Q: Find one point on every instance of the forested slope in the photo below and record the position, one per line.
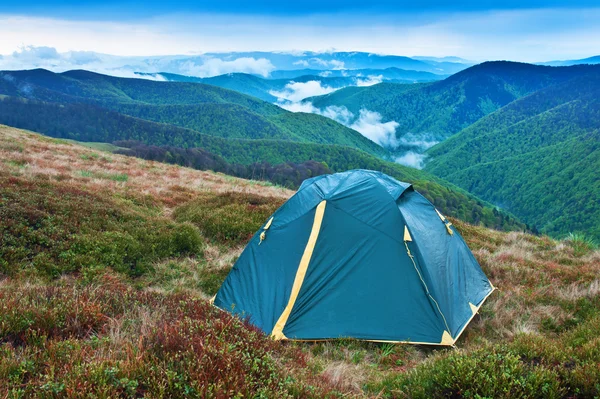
(208, 109)
(537, 157)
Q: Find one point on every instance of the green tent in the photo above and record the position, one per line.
(357, 254)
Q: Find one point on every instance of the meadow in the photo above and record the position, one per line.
(107, 263)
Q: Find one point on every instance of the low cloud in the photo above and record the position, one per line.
(216, 66)
(412, 159)
(331, 64)
(32, 53)
(303, 63)
(28, 57)
(369, 80)
(298, 91)
(420, 142)
(370, 125)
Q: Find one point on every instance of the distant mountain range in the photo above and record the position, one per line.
(213, 64)
(590, 60)
(266, 89)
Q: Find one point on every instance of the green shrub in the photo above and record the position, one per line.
(228, 218)
(492, 372)
(52, 228)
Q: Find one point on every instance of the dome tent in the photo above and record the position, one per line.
(357, 254)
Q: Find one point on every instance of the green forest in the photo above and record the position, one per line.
(537, 157)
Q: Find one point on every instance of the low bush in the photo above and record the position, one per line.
(52, 228)
(110, 340)
(228, 218)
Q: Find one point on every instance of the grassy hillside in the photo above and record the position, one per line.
(107, 262)
(207, 109)
(443, 108)
(537, 157)
(88, 123)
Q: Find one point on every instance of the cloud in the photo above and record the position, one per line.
(412, 159)
(32, 53)
(82, 57)
(339, 114)
(216, 66)
(306, 107)
(370, 125)
(421, 141)
(303, 63)
(333, 64)
(369, 80)
(325, 74)
(298, 91)
(28, 57)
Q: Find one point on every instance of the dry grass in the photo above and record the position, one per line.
(31, 154)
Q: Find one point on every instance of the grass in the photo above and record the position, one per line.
(103, 288)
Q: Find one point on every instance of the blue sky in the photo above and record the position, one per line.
(531, 30)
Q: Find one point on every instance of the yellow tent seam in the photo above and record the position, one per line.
(277, 332)
(410, 255)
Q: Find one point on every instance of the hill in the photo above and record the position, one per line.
(263, 88)
(441, 109)
(207, 109)
(537, 157)
(106, 264)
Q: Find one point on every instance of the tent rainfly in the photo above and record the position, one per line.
(357, 254)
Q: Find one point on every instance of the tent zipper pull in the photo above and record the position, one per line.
(263, 235)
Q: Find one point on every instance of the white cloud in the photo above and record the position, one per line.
(339, 114)
(303, 63)
(370, 125)
(412, 159)
(203, 66)
(32, 53)
(333, 64)
(306, 107)
(421, 141)
(325, 74)
(298, 91)
(369, 80)
(521, 34)
(216, 66)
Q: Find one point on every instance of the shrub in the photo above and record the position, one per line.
(228, 218)
(54, 228)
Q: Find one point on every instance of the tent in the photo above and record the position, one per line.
(357, 254)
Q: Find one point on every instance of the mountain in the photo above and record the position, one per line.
(204, 108)
(438, 110)
(388, 74)
(537, 157)
(345, 60)
(590, 60)
(267, 89)
(256, 86)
